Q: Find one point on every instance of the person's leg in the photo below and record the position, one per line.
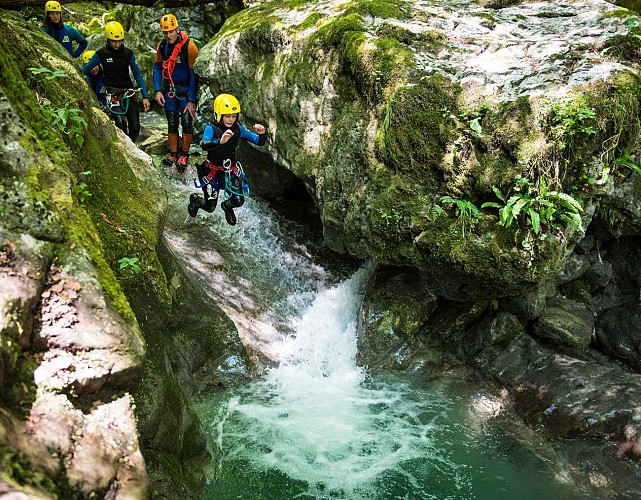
(210, 195)
(119, 119)
(234, 201)
(172, 136)
(133, 119)
(187, 123)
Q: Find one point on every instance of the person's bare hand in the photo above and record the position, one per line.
(259, 129)
(160, 98)
(191, 109)
(227, 134)
(145, 104)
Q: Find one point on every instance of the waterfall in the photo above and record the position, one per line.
(317, 417)
(316, 425)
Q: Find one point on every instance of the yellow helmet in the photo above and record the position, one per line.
(86, 55)
(225, 104)
(114, 31)
(168, 22)
(53, 6)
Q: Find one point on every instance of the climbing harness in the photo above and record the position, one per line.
(119, 98)
(232, 172)
(168, 65)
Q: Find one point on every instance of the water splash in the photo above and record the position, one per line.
(316, 417)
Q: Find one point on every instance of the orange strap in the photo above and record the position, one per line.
(168, 65)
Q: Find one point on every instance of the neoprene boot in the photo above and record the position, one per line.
(195, 201)
(172, 139)
(182, 161)
(230, 217)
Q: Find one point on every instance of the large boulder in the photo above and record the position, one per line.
(381, 112)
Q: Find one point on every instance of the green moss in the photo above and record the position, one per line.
(247, 18)
(331, 33)
(399, 33)
(634, 5)
(425, 40)
(262, 39)
(391, 61)
(370, 67)
(19, 390)
(621, 13)
(414, 134)
(294, 4)
(21, 476)
(310, 21)
(380, 8)
(599, 120)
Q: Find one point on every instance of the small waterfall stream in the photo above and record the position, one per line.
(317, 426)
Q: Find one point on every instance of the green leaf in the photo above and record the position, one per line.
(476, 125)
(543, 188)
(567, 201)
(498, 194)
(520, 203)
(536, 220)
(573, 220)
(39, 71)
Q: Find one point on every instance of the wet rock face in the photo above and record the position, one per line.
(565, 322)
(619, 333)
(381, 112)
(72, 352)
(392, 317)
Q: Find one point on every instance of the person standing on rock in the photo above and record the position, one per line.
(176, 87)
(64, 34)
(221, 170)
(116, 61)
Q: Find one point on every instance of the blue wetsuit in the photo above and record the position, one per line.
(66, 35)
(218, 154)
(97, 84)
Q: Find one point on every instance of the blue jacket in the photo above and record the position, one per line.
(217, 153)
(97, 84)
(183, 75)
(65, 35)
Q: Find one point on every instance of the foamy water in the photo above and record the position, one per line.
(317, 426)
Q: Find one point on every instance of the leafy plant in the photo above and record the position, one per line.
(473, 118)
(81, 189)
(129, 263)
(68, 120)
(82, 192)
(436, 211)
(536, 207)
(627, 160)
(467, 213)
(567, 120)
(46, 73)
(395, 216)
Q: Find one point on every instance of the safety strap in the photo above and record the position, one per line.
(168, 65)
(115, 98)
(229, 169)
